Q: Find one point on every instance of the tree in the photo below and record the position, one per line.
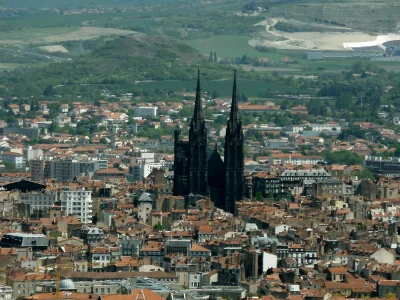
(94, 219)
(215, 57)
(343, 101)
(324, 135)
(390, 296)
(55, 234)
(10, 167)
(186, 111)
(210, 58)
(397, 152)
(243, 98)
(104, 141)
(214, 94)
(49, 91)
(158, 227)
(363, 174)
(259, 196)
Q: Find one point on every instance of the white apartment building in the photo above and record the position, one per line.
(6, 292)
(145, 111)
(16, 159)
(294, 159)
(77, 203)
(147, 167)
(101, 258)
(330, 126)
(39, 200)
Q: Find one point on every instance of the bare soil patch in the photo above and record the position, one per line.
(329, 40)
(87, 33)
(54, 48)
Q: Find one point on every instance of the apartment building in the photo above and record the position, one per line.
(39, 200)
(17, 160)
(294, 159)
(146, 111)
(77, 203)
(64, 169)
(92, 235)
(389, 167)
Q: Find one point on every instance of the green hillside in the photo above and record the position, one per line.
(124, 60)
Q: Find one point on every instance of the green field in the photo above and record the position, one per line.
(5, 66)
(230, 46)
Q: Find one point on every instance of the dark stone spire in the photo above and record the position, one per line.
(198, 105)
(234, 115)
(234, 159)
(198, 147)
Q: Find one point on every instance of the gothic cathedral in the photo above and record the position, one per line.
(199, 169)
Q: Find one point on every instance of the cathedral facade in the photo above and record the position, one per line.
(200, 170)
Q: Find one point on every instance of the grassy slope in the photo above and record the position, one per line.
(229, 46)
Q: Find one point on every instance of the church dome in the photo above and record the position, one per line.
(67, 285)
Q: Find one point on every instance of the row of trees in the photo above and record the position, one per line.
(213, 57)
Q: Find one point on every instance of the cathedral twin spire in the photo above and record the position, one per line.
(195, 172)
(198, 117)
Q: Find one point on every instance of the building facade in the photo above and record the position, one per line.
(389, 167)
(17, 160)
(39, 200)
(146, 111)
(77, 203)
(64, 169)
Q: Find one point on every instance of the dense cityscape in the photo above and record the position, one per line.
(199, 150)
(107, 215)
